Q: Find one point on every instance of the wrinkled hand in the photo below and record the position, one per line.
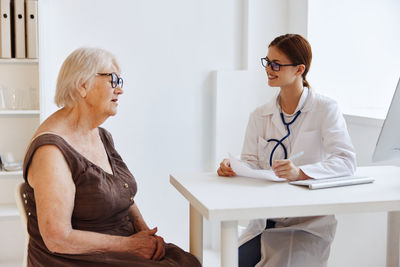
(147, 245)
(286, 169)
(225, 169)
(160, 250)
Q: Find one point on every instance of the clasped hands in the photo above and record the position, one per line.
(148, 245)
(282, 168)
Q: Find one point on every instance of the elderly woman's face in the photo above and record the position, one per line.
(103, 97)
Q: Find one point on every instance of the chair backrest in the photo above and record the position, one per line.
(20, 200)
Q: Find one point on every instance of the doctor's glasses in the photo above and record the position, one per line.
(274, 66)
(115, 80)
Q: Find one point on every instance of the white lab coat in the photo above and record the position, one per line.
(320, 132)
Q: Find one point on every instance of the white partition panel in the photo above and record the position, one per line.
(238, 93)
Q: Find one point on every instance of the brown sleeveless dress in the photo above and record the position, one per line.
(102, 201)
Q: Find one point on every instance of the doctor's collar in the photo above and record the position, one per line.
(300, 104)
(305, 103)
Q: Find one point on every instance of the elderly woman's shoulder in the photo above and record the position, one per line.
(106, 134)
(103, 131)
(53, 122)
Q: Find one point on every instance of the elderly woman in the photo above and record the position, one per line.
(79, 193)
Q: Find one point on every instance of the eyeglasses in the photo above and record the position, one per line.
(274, 66)
(115, 80)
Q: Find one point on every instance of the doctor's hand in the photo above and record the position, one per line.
(286, 169)
(225, 169)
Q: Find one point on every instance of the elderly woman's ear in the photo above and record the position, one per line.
(83, 90)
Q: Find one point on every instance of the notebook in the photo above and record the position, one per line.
(334, 182)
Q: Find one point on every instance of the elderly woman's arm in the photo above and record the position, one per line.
(54, 194)
(137, 220)
(140, 225)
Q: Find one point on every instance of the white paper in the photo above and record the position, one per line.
(243, 169)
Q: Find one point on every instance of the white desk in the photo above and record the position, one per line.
(231, 199)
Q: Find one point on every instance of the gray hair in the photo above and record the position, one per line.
(80, 67)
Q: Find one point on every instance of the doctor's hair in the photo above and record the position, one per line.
(80, 68)
(297, 49)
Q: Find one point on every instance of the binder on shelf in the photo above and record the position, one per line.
(19, 28)
(31, 28)
(5, 29)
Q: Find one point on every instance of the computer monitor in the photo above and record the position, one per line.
(388, 145)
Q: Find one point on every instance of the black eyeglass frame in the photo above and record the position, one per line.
(115, 79)
(274, 66)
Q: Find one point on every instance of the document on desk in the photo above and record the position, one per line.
(243, 169)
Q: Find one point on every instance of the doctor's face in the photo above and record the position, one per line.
(286, 75)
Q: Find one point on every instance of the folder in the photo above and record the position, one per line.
(31, 28)
(19, 28)
(5, 29)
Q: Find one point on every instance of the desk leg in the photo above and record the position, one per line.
(393, 238)
(196, 234)
(229, 244)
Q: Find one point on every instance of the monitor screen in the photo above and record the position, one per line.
(388, 145)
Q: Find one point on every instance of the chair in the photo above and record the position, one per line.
(20, 200)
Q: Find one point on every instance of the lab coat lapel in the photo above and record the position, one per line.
(304, 112)
(272, 111)
(299, 130)
(277, 122)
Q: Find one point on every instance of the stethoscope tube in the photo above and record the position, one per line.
(280, 142)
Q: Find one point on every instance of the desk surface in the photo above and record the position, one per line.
(241, 198)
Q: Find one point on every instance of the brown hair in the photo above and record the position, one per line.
(297, 49)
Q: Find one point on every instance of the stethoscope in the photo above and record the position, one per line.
(280, 142)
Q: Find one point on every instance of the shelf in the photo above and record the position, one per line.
(19, 112)
(19, 61)
(8, 211)
(16, 173)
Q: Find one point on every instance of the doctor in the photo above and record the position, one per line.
(297, 121)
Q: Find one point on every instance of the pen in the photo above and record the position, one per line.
(295, 156)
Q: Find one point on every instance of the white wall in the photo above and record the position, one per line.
(266, 20)
(356, 51)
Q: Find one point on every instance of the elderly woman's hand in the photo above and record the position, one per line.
(147, 245)
(225, 169)
(160, 251)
